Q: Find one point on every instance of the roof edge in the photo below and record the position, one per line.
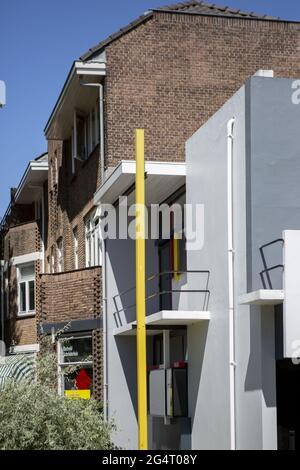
(219, 15)
(113, 37)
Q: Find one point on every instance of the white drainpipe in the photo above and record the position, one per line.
(105, 342)
(230, 223)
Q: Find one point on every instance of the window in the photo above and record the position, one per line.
(75, 240)
(60, 259)
(85, 134)
(52, 261)
(26, 289)
(93, 240)
(75, 366)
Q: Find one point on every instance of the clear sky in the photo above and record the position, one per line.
(39, 39)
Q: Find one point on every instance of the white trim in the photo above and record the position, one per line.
(90, 68)
(128, 167)
(231, 279)
(78, 68)
(32, 166)
(263, 297)
(26, 280)
(29, 258)
(24, 348)
(165, 317)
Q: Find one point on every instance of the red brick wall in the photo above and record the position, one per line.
(70, 200)
(19, 330)
(75, 295)
(173, 72)
(21, 240)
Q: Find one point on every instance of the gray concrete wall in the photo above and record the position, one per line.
(208, 345)
(273, 165)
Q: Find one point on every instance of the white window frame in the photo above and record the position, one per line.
(53, 270)
(61, 365)
(93, 240)
(76, 247)
(26, 280)
(60, 255)
(91, 134)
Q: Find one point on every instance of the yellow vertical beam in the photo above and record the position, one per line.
(141, 290)
(176, 260)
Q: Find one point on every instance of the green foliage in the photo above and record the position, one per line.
(34, 416)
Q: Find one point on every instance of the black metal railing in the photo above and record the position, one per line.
(265, 274)
(163, 292)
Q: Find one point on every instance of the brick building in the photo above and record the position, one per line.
(23, 236)
(168, 72)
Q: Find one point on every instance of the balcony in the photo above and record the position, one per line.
(167, 303)
(70, 296)
(22, 239)
(281, 282)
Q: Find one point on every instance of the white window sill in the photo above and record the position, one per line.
(25, 314)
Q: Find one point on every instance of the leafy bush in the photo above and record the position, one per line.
(34, 416)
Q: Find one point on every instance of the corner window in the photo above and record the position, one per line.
(93, 240)
(85, 134)
(75, 366)
(26, 289)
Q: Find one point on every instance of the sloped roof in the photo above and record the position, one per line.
(192, 7)
(203, 8)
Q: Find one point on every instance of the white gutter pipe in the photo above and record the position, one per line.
(230, 224)
(105, 342)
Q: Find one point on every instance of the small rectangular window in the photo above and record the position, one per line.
(75, 239)
(26, 289)
(31, 295)
(85, 134)
(93, 240)
(76, 352)
(22, 296)
(60, 260)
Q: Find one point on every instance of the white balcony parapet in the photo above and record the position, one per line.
(164, 318)
(263, 297)
(163, 179)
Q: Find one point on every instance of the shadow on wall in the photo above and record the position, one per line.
(12, 336)
(126, 347)
(78, 188)
(197, 337)
(262, 352)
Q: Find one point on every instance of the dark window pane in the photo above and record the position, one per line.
(31, 296)
(77, 350)
(22, 296)
(80, 138)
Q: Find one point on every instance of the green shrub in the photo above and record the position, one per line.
(34, 416)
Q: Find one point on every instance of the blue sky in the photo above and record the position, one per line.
(39, 39)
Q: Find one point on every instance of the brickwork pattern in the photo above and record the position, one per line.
(75, 295)
(173, 72)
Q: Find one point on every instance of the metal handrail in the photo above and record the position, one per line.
(267, 270)
(158, 294)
